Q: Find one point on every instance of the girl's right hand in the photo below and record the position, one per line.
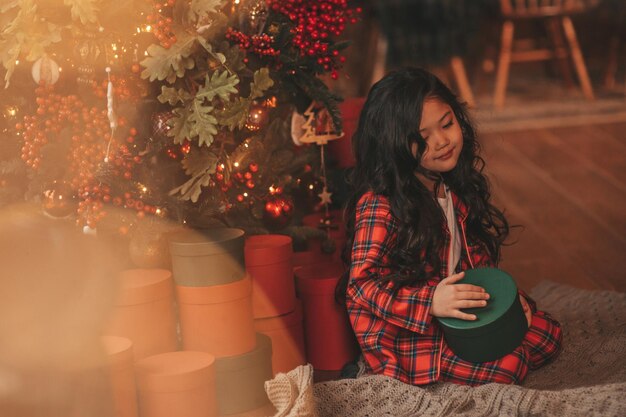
(449, 298)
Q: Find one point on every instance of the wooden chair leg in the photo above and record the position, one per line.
(614, 47)
(611, 64)
(560, 51)
(460, 77)
(504, 61)
(577, 56)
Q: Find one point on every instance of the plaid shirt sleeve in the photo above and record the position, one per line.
(408, 307)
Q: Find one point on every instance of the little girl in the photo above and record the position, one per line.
(419, 216)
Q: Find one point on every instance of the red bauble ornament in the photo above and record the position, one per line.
(59, 200)
(159, 123)
(278, 212)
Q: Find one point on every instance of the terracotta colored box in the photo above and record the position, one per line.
(217, 319)
(177, 384)
(240, 380)
(144, 311)
(269, 263)
(287, 337)
(119, 351)
(328, 336)
(310, 257)
(207, 257)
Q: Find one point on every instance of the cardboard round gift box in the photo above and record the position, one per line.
(121, 371)
(240, 379)
(500, 326)
(269, 264)
(217, 319)
(329, 339)
(177, 384)
(287, 339)
(144, 311)
(207, 257)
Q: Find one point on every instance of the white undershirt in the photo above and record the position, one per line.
(455, 238)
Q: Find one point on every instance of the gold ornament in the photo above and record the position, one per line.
(258, 116)
(148, 250)
(58, 200)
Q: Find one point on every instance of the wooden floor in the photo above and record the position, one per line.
(567, 188)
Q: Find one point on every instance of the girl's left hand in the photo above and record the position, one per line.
(527, 311)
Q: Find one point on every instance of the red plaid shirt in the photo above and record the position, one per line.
(397, 334)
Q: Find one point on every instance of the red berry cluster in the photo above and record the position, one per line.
(161, 21)
(315, 23)
(122, 90)
(90, 131)
(93, 199)
(55, 113)
(178, 151)
(244, 178)
(258, 44)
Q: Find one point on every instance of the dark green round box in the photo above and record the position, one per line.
(500, 326)
(205, 257)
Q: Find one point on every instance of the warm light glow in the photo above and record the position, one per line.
(311, 186)
(11, 111)
(236, 164)
(245, 194)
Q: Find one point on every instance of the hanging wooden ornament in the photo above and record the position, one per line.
(314, 126)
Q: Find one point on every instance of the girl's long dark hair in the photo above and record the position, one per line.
(388, 125)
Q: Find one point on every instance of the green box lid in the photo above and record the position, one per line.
(500, 325)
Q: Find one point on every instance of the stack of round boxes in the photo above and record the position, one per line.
(214, 295)
(149, 377)
(277, 313)
(239, 323)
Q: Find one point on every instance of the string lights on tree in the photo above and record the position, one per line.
(194, 107)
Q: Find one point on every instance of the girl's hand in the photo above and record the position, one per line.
(449, 298)
(527, 311)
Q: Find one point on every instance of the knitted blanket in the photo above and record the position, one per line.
(587, 379)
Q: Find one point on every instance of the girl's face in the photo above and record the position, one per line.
(442, 134)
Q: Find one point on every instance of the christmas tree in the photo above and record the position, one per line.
(208, 112)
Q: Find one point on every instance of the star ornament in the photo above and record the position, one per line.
(325, 196)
